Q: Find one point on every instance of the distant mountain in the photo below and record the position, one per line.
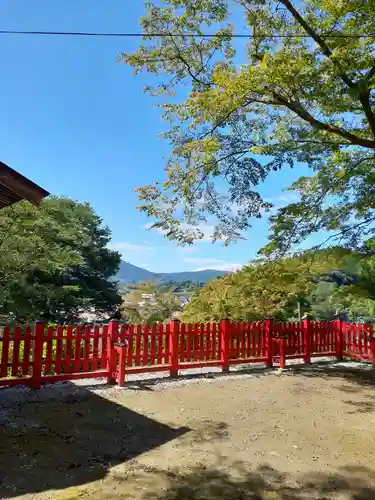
(133, 274)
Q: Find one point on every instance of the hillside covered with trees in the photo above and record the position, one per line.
(319, 283)
(150, 303)
(130, 274)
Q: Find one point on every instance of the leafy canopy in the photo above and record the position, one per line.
(54, 262)
(302, 91)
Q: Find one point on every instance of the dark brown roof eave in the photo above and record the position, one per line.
(15, 187)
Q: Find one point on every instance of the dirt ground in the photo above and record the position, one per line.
(307, 433)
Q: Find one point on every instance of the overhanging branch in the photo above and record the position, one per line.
(364, 95)
(297, 108)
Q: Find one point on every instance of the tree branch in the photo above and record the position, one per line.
(364, 99)
(274, 102)
(371, 73)
(187, 65)
(322, 44)
(297, 108)
(344, 231)
(319, 201)
(363, 96)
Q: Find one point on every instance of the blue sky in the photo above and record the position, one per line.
(77, 122)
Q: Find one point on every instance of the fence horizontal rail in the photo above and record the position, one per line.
(32, 356)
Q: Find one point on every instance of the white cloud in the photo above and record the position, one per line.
(187, 249)
(222, 267)
(203, 260)
(124, 246)
(289, 197)
(284, 199)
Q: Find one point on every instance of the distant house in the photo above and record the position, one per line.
(148, 296)
(184, 301)
(15, 187)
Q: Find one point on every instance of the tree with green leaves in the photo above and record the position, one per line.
(150, 303)
(301, 91)
(55, 263)
(322, 282)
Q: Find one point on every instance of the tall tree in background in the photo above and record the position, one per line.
(54, 262)
(304, 92)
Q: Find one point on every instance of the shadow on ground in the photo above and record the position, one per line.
(361, 374)
(352, 379)
(264, 483)
(68, 437)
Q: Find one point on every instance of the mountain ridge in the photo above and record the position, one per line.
(131, 274)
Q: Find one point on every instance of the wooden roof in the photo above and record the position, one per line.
(15, 187)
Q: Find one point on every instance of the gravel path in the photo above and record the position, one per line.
(308, 432)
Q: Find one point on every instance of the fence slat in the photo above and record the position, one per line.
(145, 338)
(244, 335)
(131, 341)
(16, 351)
(5, 353)
(259, 340)
(216, 336)
(153, 334)
(95, 349)
(190, 342)
(86, 349)
(138, 333)
(162, 346)
(59, 349)
(215, 356)
(77, 349)
(199, 333)
(207, 334)
(48, 348)
(26, 351)
(194, 343)
(68, 350)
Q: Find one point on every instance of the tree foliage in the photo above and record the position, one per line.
(149, 303)
(54, 262)
(324, 283)
(303, 91)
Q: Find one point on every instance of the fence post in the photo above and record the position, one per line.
(339, 339)
(174, 332)
(306, 340)
(121, 367)
(224, 344)
(111, 352)
(372, 345)
(269, 351)
(38, 356)
(282, 353)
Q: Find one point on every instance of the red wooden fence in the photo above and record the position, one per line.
(32, 356)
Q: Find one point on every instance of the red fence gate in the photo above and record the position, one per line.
(32, 356)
